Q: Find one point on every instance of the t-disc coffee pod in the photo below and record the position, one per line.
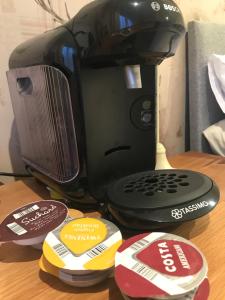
(87, 280)
(29, 225)
(159, 266)
(72, 214)
(202, 293)
(81, 252)
(83, 245)
(75, 214)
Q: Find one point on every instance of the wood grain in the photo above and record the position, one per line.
(20, 276)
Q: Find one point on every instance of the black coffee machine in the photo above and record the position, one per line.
(84, 97)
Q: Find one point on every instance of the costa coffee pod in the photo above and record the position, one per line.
(29, 225)
(159, 266)
(202, 293)
(83, 245)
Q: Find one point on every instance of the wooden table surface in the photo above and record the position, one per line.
(21, 279)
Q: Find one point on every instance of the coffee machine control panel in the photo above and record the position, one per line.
(143, 113)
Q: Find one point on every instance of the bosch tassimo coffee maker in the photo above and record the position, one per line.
(84, 97)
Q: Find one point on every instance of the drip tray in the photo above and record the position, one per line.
(160, 198)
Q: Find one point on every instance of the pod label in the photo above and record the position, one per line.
(33, 220)
(83, 234)
(159, 265)
(83, 244)
(173, 258)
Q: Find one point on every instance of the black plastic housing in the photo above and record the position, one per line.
(115, 32)
(157, 199)
(106, 35)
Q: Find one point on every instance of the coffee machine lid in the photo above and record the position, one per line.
(116, 32)
(156, 199)
(158, 189)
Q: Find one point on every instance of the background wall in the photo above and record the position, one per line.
(22, 19)
(19, 21)
(172, 75)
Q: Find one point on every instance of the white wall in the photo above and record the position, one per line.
(19, 21)
(22, 19)
(172, 74)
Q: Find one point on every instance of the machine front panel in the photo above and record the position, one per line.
(119, 124)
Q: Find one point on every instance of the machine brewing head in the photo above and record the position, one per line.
(128, 32)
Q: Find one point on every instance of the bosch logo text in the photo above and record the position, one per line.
(157, 7)
(171, 8)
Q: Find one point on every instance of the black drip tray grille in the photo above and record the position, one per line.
(155, 189)
(151, 184)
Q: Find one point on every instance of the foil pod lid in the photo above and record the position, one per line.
(85, 244)
(159, 266)
(32, 221)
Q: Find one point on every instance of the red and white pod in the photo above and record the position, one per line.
(159, 266)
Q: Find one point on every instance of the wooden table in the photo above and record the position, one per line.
(21, 279)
